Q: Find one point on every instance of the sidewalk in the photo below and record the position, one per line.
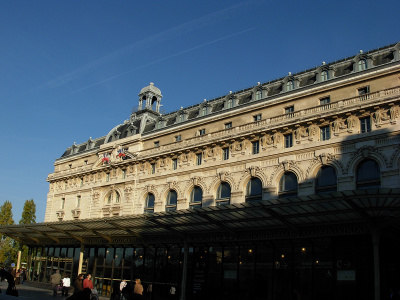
(33, 290)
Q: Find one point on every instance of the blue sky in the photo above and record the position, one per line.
(70, 70)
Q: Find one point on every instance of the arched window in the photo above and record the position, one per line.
(254, 190)
(196, 197)
(113, 197)
(172, 200)
(324, 75)
(290, 85)
(149, 204)
(204, 110)
(223, 194)
(230, 103)
(326, 180)
(288, 185)
(362, 65)
(368, 175)
(259, 94)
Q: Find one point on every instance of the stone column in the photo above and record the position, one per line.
(81, 259)
(19, 260)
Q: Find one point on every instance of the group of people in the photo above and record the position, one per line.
(19, 275)
(82, 286)
(126, 292)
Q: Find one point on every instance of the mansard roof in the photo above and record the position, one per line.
(144, 121)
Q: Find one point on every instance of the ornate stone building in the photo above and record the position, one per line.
(308, 163)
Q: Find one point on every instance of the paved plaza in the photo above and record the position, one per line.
(33, 290)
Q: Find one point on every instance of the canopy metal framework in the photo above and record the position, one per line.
(330, 214)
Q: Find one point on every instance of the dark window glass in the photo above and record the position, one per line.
(326, 180)
(325, 100)
(368, 175)
(288, 140)
(223, 194)
(289, 109)
(325, 133)
(255, 147)
(149, 205)
(228, 125)
(172, 198)
(288, 185)
(257, 117)
(198, 159)
(365, 124)
(174, 163)
(254, 190)
(225, 153)
(196, 197)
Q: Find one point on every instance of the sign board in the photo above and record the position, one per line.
(346, 275)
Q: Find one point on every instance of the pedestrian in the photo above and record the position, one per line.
(172, 292)
(78, 284)
(87, 283)
(138, 289)
(17, 277)
(121, 287)
(66, 284)
(55, 280)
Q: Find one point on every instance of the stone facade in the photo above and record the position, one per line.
(294, 124)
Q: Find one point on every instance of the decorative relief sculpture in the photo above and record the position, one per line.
(313, 132)
(352, 122)
(337, 126)
(394, 114)
(300, 133)
(379, 117)
(277, 139)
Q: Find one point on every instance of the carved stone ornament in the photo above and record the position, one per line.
(394, 114)
(223, 175)
(60, 214)
(324, 158)
(76, 213)
(379, 117)
(352, 122)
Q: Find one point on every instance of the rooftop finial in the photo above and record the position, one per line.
(361, 51)
(230, 92)
(151, 83)
(258, 83)
(290, 73)
(205, 100)
(323, 63)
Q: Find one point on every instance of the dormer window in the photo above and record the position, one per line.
(362, 64)
(202, 132)
(229, 104)
(290, 85)
(204, 110)
(156, 144)
(324, 75)
(259, 95)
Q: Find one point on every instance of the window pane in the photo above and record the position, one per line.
(197, 194)
(368, 174)
(172, 198)
(254, 187)
(150, 200)
(224, 191)
(326, 177)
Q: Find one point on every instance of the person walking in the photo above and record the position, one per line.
(138, 289)
(78, 284)
(55, 280)
(66, 284)
(121, 287)
(87, 283)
